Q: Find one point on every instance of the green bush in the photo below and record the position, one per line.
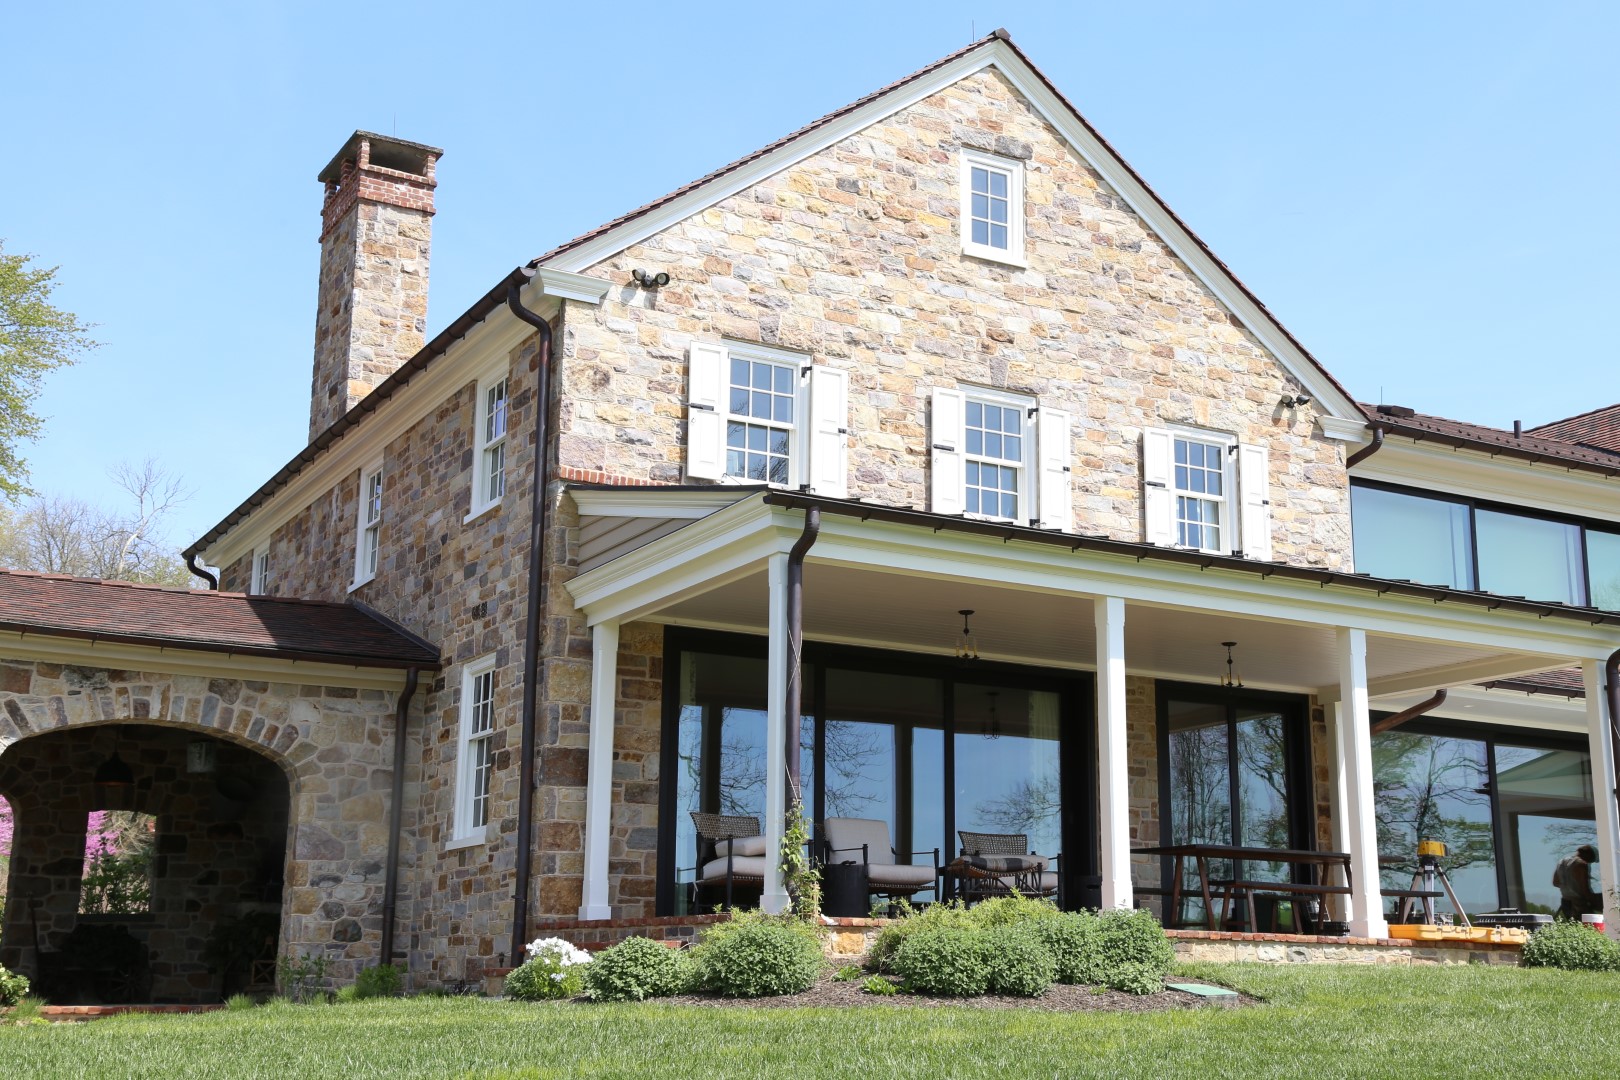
(553, 970)
(1071, 940)
(379, 981)
(13, 987)
(878, 986)
(1019, 962)
(1136, 979)
(952, 961)
(1125, 940)
(951, 916)
(759, 957)
(848, 973)
(1007, 910)
(635, 969)
(1573, 947)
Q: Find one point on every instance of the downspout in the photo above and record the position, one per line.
(795, 631)
(396, 816)
(1611, 676)
(1410, 714)
(1370, 449)
(539, 514)
(197, 571)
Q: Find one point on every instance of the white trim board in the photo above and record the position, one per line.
(1331, 401)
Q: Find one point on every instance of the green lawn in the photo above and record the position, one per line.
(1319, 1022)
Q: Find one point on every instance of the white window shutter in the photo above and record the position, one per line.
(706, 411)
(1055, 489)
(1158, 500)
(1254, 493)
(829, 432)
(946, 436)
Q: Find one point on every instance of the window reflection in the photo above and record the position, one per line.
(1429, 787)
(1007, 778)
(1411, 538)
(1521, 556)
(1545, 801)
(1603, 568)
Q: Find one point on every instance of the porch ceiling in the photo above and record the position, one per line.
(884, 610)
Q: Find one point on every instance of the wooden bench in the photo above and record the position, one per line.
(1227, 891)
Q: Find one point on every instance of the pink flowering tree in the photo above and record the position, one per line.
(117, 876)
(6, 830)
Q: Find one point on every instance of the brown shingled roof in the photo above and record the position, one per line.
(1562, 682)
(312, 630)
(1599, 428)
(1397, 420)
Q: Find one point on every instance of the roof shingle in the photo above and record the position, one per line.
(1397, 420)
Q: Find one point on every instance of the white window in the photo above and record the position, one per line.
(476, 750)
(1207, 492)
(1000, 456)
(765, 416)
(489, 468)
(261, 571)
(992, 190)
(368, 526)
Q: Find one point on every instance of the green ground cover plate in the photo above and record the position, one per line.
(1202, 990)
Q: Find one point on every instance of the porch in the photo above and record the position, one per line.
(1118, 632)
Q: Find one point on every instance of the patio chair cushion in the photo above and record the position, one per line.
(845, 835)
(742, 845)
(742, 866)
(1006, 863)
(891, 875)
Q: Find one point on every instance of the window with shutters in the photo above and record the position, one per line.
(993, 458)
(368, 526)
(260, 582)
(489, 465)
(475, 766)
(1206, 491)
(1200, 487)
(992, 211)
(762, 409)
(1001, 457)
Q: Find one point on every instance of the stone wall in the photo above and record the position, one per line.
(332, 745)
(853, 256)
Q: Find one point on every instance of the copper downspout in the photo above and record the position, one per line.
(538, 521)
(795, 631)
(396, 816)
(1370, 449)
(1410, 714)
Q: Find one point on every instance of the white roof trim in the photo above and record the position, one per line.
(1004, 58)
(652, 502)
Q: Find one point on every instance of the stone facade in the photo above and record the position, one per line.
(331, 746)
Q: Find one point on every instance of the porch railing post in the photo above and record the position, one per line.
(1113, 772)
(1355, 758)
(1603, 799)
(594, 902)
(774, 897)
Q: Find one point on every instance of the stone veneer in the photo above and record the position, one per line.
(333, 746)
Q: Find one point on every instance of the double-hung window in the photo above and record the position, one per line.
(260, 581)
(1206, 491)
(994, 459)
(476, 758)
(992, 208)
(489, 467)
(759, 415)
(368, 525)
(999, 456)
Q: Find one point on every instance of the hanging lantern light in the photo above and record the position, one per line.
(114, 782)
(967, 646)
(1233, 679)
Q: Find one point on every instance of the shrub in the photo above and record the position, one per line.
(759, 957)
(13, 987)
(1020, 963)
(1010, 909)
(879, 986)
(1573, 947)
(848, 973)
(1071, 940)
(951, 916)
(1136, 979)
(552, 971)
(379, 981)
(633, 970)
(952, 961)
(1126, 940)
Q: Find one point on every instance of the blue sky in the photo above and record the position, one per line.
(1423, 193)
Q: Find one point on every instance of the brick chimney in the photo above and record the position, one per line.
(376, 229)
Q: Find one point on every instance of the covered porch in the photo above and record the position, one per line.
(1126, 638)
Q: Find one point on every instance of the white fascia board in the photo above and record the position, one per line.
(1512, 708)
(999, 55)
(485, 347)
(1448, 678)
(174, 660)
(651, 502)
(569, 286)
(1479, 474)
(1340, 429)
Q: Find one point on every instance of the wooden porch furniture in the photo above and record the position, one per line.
(1320, 863)
(998, 864)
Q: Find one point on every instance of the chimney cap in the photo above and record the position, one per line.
(387, 152)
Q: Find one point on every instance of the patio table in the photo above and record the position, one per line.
(1320, 863)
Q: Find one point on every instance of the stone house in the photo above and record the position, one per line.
(927, 431)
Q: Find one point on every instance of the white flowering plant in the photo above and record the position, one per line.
(552, 971)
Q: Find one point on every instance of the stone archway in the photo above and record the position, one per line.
(326, 743)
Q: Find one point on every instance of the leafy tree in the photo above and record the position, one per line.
(35, 338)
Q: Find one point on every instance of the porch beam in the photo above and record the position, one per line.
(1601, 745)
(1355, 762)
(774, 898)
(1449, 676)
(1113, 772)
(594, 903)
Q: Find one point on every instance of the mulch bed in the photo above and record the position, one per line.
(829, 993)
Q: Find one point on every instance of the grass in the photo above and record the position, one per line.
(1320, 1022)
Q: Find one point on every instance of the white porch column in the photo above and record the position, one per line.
(774, 897)
(1355, 763)
(1113, 773)
(1338, 814)
(1603, 782)
(599, 770)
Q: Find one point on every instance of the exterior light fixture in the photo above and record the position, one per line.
(967, 645)
(114, 783)
(649, 281)
(200, 757)
(1294, 401)
(1233, 679)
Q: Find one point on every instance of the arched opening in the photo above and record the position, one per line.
(147, 864)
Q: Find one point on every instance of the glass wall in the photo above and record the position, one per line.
(1507, 812)
(1411, 538)
(1603, 568)
(1531, 557)
(1007, 777)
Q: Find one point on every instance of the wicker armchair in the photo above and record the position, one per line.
(996, 864)
(730, 852)
(866, 841)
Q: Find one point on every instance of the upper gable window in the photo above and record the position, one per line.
(1205, 491)
(489, 467)
(758, 415)
(260, 582)
(368, 527)
(992, 207)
